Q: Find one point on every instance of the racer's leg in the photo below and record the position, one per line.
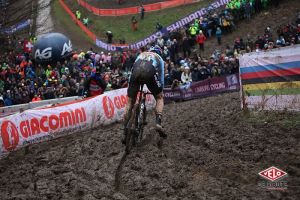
(157, 91)
(159, 108)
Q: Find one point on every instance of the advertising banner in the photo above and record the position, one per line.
(17, 27)
(43, 124)
(203, 88)
(37, 125)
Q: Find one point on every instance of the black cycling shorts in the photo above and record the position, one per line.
(143, 72)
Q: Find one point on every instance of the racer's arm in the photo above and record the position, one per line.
(161, 71)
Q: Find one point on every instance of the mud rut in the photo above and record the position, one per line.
(211, 153)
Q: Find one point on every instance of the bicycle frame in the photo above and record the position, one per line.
(135, 134)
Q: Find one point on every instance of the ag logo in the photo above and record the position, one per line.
(9, 135)
(108, 107)
(67, 48)
(44, 55)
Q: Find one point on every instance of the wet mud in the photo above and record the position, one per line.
(213, 151)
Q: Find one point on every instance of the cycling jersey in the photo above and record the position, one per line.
(156, 61)
(148, 69)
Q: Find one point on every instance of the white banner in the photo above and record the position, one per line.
(36, 125)
(271, 80)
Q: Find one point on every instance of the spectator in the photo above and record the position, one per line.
(95, 85)
(78, 15)
(7, 99)
(134, 23)
(186, 76)
(225, 24)
(200, 40)
(86, 21)
(109, 36)
(248, 10)
(193, 33)
(166, 53)
(186, 47)
(142, 11)
(158, 26)
(219, 35)
(160, 41)
(174, 50)
(2, 104)
(36, 98)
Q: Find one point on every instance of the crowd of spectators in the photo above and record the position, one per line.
(22, 80)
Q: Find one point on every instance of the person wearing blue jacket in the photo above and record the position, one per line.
(219, 35)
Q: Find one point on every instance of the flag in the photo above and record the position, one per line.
(27, 46)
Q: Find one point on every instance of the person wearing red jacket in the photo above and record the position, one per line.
(95, 85)
(36, 98)
(200, 40)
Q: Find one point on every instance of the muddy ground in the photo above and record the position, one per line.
(213, 152)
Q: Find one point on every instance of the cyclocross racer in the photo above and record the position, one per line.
(148, 69)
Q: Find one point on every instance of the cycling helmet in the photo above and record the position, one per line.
(156, 49)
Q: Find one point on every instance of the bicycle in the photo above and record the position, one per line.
(135, 126)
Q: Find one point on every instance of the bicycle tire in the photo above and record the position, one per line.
(141, 119)
(138, 125)
(129, 134)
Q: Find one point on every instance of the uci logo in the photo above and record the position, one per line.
(108, 107)
(44, 55)
(9, 135)
(67, 48)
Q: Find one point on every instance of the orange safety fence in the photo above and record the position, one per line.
(89, 33)
(134, 10)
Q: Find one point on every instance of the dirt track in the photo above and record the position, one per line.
(213, 152)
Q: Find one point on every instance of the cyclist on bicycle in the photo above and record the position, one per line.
(148, 69)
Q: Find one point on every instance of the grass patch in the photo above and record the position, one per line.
(121, 26)
(64, 22)
(284, 119)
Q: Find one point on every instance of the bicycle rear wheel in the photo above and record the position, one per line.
(140, 120)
